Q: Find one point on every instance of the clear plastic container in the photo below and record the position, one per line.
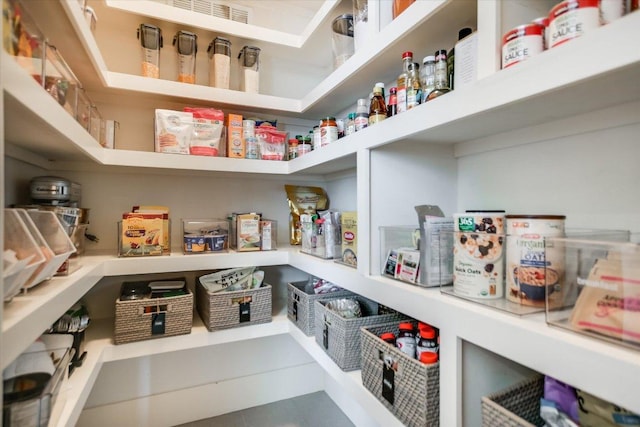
(342, 39)
(186, 44)
(59, 80)
(83, 109)
(205, 235)
(219, 62)
(249, 58)
(26, 43)
(268, 235)
(151, 42)
(22, 254)
(54, 242)
(95, 124)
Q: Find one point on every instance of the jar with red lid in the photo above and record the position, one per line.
(328, 131)
(406, 340)
(293, 148)
(427, 341)
(389, 337)
(428, 358)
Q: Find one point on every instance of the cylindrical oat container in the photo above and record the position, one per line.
(571, 19)
(522, 43)
(478, 255)
(533, 271)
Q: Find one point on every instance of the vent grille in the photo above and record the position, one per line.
(211, 8)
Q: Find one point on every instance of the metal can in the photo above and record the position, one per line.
(522, 43)
(543, 21)
(478, 262)
(571, 19)
(533, 268)
(328, 131)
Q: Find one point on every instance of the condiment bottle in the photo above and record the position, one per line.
(407, 58)
(186, 44)
(441, 77)
(293, 148)
(389, 337)
(464, 32)
(219, 51)
(305, 146)
(414, 88)
(350, 127)
(381, 85)
(252, 150)
(151, 40)
(328, 131)
(362, 114)
(428, 76)
(427, 341)
(428, 358)
(316, 138)
(392, 107)
(406, 340)
(377, 107)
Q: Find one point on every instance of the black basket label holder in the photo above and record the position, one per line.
(389, 368)
(325, 333)
(158, 313)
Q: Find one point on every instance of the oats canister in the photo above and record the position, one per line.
(533, 270)
(478, 255)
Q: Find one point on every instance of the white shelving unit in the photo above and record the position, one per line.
(567, 100)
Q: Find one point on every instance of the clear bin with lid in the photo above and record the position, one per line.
(22, 254)
(342, 39)
(59, 80)
(95, 124)
(219, 51)
(249, 59)
(83, 109)
(186, 44)
(26, 43)
(151, 41)
(54, 242)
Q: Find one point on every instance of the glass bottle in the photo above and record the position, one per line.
(407, 58)
(362, 115)
(392, 107)
(350, 127)
(428, 76)
(464, 32)
(414, 88)
(250, 140)
(381, 85)
(377, 108)
(441, 80)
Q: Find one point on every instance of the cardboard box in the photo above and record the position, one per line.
(235, 139)
(141, 234)
(349, 223)
(164, 210)
(248, 232)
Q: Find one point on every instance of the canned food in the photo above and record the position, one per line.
(522, 43)
(533, 270)
(571, 19)
(478, 265)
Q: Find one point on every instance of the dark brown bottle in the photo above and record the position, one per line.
(392, 108)
(377, 108)
(464, 32)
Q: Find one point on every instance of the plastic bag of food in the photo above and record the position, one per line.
(208, 124)
(303, 200)
(347, 308)
(272, 143)
(173, 131)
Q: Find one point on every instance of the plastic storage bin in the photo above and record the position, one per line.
(516, 406)
(205, 235)
(59, 80)
(301, 307)
(340, 337)
(53, 240)
(24, 40)
(413, 392)
(599, 282)
(18, 242)
(397, 244)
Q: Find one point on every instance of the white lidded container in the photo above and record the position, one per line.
(249, 58)
(219, 52)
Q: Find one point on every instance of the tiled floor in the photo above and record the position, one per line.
(311, 410)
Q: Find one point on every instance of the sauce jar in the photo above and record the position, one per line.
(571, 19)
(522, 43)
(293, 148)
(304, 146)
(328, 131)
(406, 340)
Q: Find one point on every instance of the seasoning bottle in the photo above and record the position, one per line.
(293, 148)
(392, 106)
(389, 337)
(464, 32)
(406, 340)
(305, 146)
(316, 138)
(219, 52)
(328, 131)
(427, 341)
(350, 127)
(414, 88)
(377, 107)
(186, 48)
(407, 58)
(441, 77)
(362, 114)
(252, 150)
(381, 85)
(428, 76)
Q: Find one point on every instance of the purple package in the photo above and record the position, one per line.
(563, 395)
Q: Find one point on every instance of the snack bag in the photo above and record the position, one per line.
(303, 200)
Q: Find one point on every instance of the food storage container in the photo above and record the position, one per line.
(26, 42)
(342, 39)
(219, 51)
(151, 41)
(91, 17)
(59, 80)
(205, 235)
(95, 124)
(22, 254)
(83, 109)
(249, 61)
(399, 253)
(186, 50)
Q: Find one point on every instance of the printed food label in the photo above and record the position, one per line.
(478, 265)
(521, 44)
(571, 19)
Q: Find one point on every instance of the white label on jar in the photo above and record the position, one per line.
(571, 19)
(316, 138)
(478, 265)
(521, 44)
(361, 122)
(328, 134)
(401, 97)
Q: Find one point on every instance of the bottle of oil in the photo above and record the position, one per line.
(407, 58)
(442, 77)
(414, 88)
(377, 107)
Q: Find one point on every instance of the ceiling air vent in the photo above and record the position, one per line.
(212, 8)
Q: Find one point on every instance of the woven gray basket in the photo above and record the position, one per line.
(300, 307)
(135, 318)
(412, 389)
(516, 406)
(340, 337)
(223, 310)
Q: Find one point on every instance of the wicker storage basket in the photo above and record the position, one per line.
(300, 307)
(340, 337)
(223, 310)
(143, 319)
(516, 406)
(412, 389)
